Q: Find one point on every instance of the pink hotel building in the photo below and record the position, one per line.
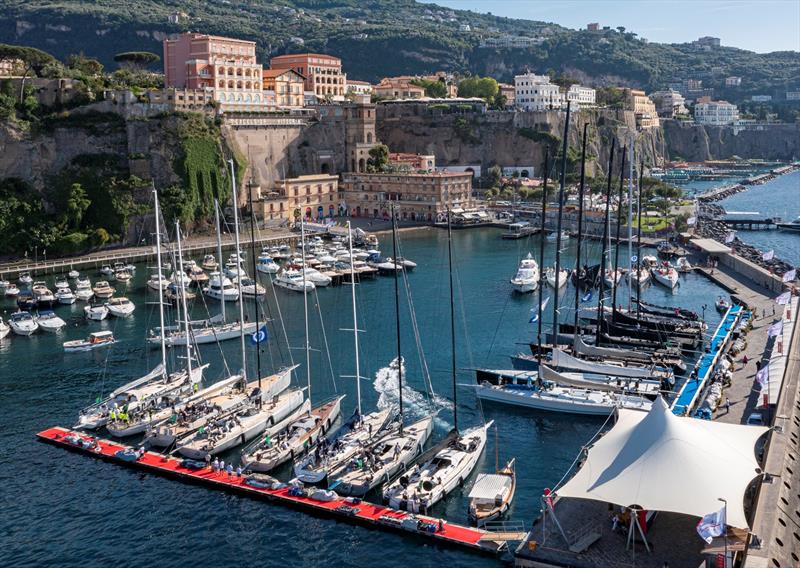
(226, 66)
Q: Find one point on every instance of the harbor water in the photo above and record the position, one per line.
(779, 197)
(66, 510)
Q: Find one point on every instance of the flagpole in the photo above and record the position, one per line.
(725, 528)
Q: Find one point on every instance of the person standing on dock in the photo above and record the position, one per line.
(745, 360)
(727, 405)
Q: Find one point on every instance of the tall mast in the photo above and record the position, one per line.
(639, 242)
(397, 318)
(619, 223)
(580, 233)
(255, 275)
(604, 252)
(219, 257)
(558, 225)
(541, 254)
(452, 319)
(160, 282)
(355, 315)
(238, 270)
(305, 301)
(184, 309)
(632, 157)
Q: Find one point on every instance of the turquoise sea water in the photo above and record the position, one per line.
(64, 509)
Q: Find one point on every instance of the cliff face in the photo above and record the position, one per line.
(696, 143)
(514, 139)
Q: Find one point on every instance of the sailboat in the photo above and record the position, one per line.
(527, 277)
(270, 406)
(427, 483)
(335, 452)
(310, 425)
(152, 387)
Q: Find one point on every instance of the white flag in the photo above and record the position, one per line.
(691, 221)
(768, 255)
(775, 329)
(762, 377)
(712, 525)
(790, 275)
(730, 237)
(783, 299)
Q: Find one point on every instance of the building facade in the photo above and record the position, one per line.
(508, 92)
(412, 162)
(643, 108)
(359, 87)
(323, 73)
(581, 96)
(715, 113)
(536, 93)
(669, 103)
(418, 196)
(312, 197)
(286, 86)
(183, 99)
(398, 88)
(225, 66)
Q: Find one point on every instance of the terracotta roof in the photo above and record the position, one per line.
(279, 72)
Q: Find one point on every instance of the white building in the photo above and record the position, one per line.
(359, 87)
(716, 113)
(581, 96)
(793, 95)
(535, 93)
(669, 103)
(761, 98)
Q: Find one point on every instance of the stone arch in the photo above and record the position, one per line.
(361, 165)
(257, 98)
(524, 173)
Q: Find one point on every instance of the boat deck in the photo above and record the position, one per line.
(688, 395)
(362, 513)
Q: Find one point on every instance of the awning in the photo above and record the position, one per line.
(662, 462)
(489, 486)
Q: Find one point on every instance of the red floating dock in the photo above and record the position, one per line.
(362, 513)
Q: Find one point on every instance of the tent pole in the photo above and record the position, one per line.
(555, 520)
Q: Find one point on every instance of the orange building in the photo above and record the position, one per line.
(224, 65)
(323, 73)
(287, 84)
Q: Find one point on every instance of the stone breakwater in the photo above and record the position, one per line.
(709, 228)
(721, 193)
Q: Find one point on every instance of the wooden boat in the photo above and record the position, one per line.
(491, 495)
(95, 340)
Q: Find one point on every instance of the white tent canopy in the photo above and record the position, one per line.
(662, 462)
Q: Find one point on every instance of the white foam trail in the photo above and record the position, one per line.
(414, 401)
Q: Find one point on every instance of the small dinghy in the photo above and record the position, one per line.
(722, 304)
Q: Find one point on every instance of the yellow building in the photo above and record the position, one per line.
(643, 107)
(287, 84)
(418, 196)
(313, 196)
(398, 88)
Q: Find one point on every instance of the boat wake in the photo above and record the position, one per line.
(415, 402)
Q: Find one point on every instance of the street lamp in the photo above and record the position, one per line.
(724, 526)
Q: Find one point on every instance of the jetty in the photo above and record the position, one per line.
(355, 511)
(690, 392)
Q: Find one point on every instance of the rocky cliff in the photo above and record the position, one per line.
(696, 143)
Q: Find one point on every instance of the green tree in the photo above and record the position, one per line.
(85, 65)
(493, 176)
(136, 59)
(433, 89)
(499, 101)
(33, 59)
(378, 158)
(77, 204)
(483, 87)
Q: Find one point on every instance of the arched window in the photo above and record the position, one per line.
(369, 137)
(257, 98)
(248, 99)
(239, 72)
(247, 72)
(247, 85)
(238, 84)
(221, 71)
(256, 85)
(361, 165)
(230, 84)
(230, 70)
(222, 84)
(239, 98)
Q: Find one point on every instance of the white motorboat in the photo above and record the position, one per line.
(550, 276)
(107, 271)
(293, 280)
(424, 485)
(61, 283)
(5, 329)
(123, 276)
(11, 291)
(49, 321)
(553, 237)
(683, 265)
(491, 495)
(316, 277)
(640, 274)
(388, 266)
(120, 307)
(23, 323)
(65, 296)
(267, 265)
(387, 457)
(179, 275)
(232, 268)
(73, 274)
(209, 263)
(665, 275)
(159, 285)
(338, 449)
(722, 305)
(25, 279)
(527, 277)
(97, 312)
(103, 290)
(195, 273)
(298, 439)
(83, 283)
(242, 425)
(84, 294)
(44, 297)
(250, 288)
(650, 261)
(94, 341)
(222, 290)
